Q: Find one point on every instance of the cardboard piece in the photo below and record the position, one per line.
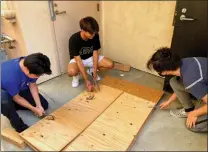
(146, 93)
(122, 67)
(13, 137)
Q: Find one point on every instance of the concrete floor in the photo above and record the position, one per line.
(161, 132)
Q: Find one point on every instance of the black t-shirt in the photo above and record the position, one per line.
(82, 48)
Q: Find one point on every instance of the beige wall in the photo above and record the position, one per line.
(133, 30)
(14, 31)
(130, 31)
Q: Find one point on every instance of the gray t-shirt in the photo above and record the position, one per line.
(195, 76)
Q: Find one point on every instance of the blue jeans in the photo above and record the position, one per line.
(9, 107)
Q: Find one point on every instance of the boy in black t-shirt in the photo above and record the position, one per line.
(83, 50)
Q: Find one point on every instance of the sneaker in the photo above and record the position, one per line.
(180, 113)
(21, 126)
(75, 81)
(90, 72)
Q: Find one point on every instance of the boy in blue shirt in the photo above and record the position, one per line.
(191, 77)
(19, 90)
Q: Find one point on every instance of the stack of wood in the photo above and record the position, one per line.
(10, 135)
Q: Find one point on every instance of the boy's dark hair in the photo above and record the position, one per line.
(89, 24)
(164, 60)
(38, 64)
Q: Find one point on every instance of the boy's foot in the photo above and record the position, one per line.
(180, 113)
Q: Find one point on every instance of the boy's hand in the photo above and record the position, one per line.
(41, 108)
(89, 85)
(164, 105)
(191, 120)
(37, 111)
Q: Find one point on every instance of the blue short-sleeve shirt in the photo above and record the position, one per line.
(13, 79)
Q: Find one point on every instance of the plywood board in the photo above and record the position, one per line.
(70, 120)
(116, 128)
(13, 137)
(133, 88)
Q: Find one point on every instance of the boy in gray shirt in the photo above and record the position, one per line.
(191, 76)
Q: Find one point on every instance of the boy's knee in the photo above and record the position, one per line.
(199, 128)
(193, 129)
(110, 65)
(173, 82)
(72, 72)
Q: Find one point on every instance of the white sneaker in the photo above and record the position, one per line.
(75, 81)
(90, 72)
(180, 113)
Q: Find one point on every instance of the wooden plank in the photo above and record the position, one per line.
(116, 128)
(70, 120)
(144, 92)
(13, 137)
(31, 146)
(122, 67)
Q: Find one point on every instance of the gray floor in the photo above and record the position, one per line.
(161, 132)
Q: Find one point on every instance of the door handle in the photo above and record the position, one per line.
(51, 8)
(183, 18)
(61, 12)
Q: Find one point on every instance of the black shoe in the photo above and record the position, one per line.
(21, 126)
(24, 127)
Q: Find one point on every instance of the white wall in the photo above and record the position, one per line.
(133, 30)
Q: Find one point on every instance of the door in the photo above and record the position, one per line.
(190, 37)
(35, 30)
(67, 23)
